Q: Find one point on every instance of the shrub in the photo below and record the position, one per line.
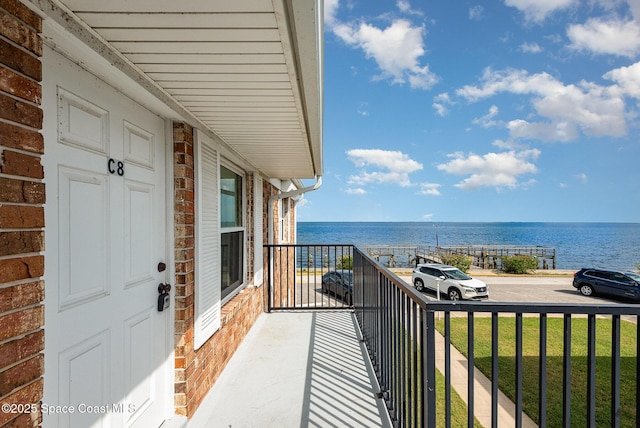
(519, 264)
(345, 262)
(460, 261)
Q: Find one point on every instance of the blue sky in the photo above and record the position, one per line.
(505, 110)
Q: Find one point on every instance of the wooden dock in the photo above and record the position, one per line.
(484, 256)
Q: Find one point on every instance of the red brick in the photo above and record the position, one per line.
(20, 164)
(21, 374)
(20, 86)
(21, 242)
(20, 34)
(21, 138)
(183, 171)
(21, 268)
(184, 149)
(21, 217)
(23, 13)
(184, 207)
(17, 323)
(18, 191)
(16, 59)
(20, 112)
(26, 420)
(19, 349)
(31, 393)
(20, 296)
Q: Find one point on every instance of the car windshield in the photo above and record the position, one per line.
(456, 274)
(347, 276)
(634, 276)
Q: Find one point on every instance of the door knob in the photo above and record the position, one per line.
(164, 288)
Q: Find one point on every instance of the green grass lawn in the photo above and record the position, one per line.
(458, 406)
(530, 348)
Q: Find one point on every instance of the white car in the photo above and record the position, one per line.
(455, 283)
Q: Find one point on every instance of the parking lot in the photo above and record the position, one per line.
(531, 289)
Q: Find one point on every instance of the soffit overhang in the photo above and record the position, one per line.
(249, 72)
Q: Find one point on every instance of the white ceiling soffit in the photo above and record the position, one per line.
(249, 70)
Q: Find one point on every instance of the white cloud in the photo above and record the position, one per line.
(330, 11)
(497, 170)
(396, 49)
(440, 109)
(427, 217)
(389, 159)
(429, 189)
(355, 191)
(441, 103)
(405, 7)
(558, 131)
(582, 177)
(530, 48)
(614, 36)
(593, 109)
(392, 167)
(487, 121)
(538, 10)
(303, 202)
(379, 177)
(476, 13)
(627, 78)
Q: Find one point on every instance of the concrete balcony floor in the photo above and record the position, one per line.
(296, 369)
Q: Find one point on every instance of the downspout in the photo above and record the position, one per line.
(271, 238)
(279, 196)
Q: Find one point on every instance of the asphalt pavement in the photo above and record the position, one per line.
(531, 288)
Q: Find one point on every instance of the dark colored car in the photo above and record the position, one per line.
(614, 283)
(339, 283)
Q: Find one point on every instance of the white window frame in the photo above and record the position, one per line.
(243, 196)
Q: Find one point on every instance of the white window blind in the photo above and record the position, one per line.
(207, 287)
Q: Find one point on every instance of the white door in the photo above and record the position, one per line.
(107, 353)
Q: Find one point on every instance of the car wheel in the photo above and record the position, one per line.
(454, 294)
(586, 290)
(419, 284)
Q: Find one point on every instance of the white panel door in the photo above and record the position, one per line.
(107, 352)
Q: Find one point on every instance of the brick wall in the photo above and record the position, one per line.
(184, 229)
(22, 196)
(197, 370)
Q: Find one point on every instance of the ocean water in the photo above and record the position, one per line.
(577, 245)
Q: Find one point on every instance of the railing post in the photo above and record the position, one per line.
(429, 369)
(615, 371)
(269, 278)
(566, 366)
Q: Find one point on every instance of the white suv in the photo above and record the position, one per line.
(455, 283)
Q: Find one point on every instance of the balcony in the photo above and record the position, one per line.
(381, 354)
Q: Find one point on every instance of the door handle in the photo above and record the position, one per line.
(163, 299)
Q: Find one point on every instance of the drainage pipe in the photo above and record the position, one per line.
(271, 238)
(279, 196)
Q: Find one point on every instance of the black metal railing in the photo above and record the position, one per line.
(402, 332)
(565, 365)
(303, 277)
